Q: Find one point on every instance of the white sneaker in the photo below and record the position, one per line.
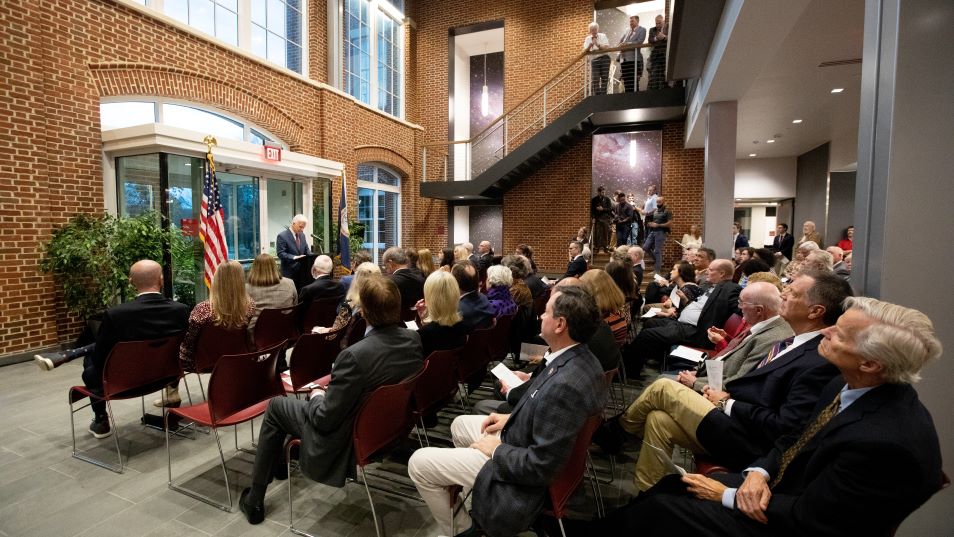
(44, 363)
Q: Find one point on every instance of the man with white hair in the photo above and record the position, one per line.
(838, 258)
(599, 63)
(817, 260)
(868, 457)
(809, 234)
(291, 245)
(325, 284)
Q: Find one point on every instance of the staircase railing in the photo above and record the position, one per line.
(459, 160)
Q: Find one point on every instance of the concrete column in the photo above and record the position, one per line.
(721, 121)
(904, 193)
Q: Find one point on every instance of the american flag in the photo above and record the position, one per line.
(212, 223)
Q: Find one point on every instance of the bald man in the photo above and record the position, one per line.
(149, 316)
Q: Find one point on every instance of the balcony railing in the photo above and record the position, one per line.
(465, 159)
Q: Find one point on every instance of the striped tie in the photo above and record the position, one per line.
(820, 421)
(776, 349)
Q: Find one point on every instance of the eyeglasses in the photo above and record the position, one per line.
(744, 303)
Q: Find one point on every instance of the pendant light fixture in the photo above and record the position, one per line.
(485, 93)
(632, 152)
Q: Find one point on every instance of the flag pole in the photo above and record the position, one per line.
(344, 241)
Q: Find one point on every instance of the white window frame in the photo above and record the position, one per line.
(336, 55)
(376, 186)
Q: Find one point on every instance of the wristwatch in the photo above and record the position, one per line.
(721, 404)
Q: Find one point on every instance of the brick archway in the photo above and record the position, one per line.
(119, 79)
(375, 153)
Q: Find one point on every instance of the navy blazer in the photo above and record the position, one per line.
(286, 250)
(741, 241)
(324, 287)
(784, 245)
(576, 267)
(511, 488)
(863, 473)
(476, 311)
(770, 402)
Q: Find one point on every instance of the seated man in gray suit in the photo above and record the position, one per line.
(388, 354)
(510, 459)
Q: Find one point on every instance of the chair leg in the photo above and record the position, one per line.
(562, 531)
(192, 494)
(92, 460)
(291, 513)
(374, 514)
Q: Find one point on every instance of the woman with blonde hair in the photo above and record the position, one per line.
(610, 301)
(425, 262)
(228, 307)
(267, 288)
(351, 305)
(442, 328)
(461, 253)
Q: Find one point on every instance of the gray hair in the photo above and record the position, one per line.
(499, 275)
(594, 25)
(819, 260)
(902, 339)
(323, 265)
(394, 255)
(519, 265)
(766, 295)
(299, 218)
(809, 245)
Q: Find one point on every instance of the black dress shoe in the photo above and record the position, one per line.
(610, 436)
(255, 514)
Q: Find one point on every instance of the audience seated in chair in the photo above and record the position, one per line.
(325, 284)
(474, 306)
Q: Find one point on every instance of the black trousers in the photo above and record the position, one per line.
(630, 75)
(600, 70)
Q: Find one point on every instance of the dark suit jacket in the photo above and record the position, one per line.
(784, 245)
(535, 284)
(476, 311)
(721, 304)
(148, 316)
(411, 285)
(437, 337)
(576, 267)
(483, 262)
(862, 474)
(323, 287)
(741, 241)
(286, 250)
(386, 355)
(770, 402)
(511, 488)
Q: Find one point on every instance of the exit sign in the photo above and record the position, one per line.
(273, 153)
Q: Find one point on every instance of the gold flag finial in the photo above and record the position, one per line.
(210, 141)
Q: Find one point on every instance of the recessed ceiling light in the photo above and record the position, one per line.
(751, 154)
(796, 121)
(770, 141)
(837, 90)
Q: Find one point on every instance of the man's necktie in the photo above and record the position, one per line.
(297, 242)
(776, 349)
(820, 421)
(733, 343)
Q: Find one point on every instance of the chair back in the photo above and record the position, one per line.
(383, 419)
(135, 368)
(437, 383)
(321, 312)
(609, 375)
(562, 488)
(313, 356)
(500, 338)
(275, 325)
(215, 342)
(476, 353)
(733, 325)
(354, 332)
(240, 381)
(540, 303)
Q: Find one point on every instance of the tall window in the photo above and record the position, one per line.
(379, 208)
(372, 55)
(214, 17)
(276, 32)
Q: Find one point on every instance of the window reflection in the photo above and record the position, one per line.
(127, 114)
(187, 117)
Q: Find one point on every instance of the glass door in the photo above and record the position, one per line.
(240, 202)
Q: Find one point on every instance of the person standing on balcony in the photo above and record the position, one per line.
(599, 63)
(631, 61)
(657, 58)
(601, 214)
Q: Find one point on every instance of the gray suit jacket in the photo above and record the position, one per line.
(386, 355)
(750, 352)
(638, 37)
(511, 488)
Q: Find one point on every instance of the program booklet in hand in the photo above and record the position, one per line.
(506, 375)
(687, 353)
(529, 351)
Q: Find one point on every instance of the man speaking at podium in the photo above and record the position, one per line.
(291, 245)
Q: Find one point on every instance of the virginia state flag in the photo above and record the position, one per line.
(344, 242)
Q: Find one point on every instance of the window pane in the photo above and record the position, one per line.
(177, 9)
(387, 178)
(240, 204)
(293, 26)
(295, 4)
(257, 137)
(276, 49)
(191, 118)
(232, 5)
(259, 37)
(293, 60)
(388, 207)
(276, 17)
(258, 12)
(226, 25)
(201, 16)
(118, 115)
(138, 180)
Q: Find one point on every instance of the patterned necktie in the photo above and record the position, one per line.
(297, 242)
(733, 343)
(820, 421)
(776, 349)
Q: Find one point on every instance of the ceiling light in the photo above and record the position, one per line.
(751, 154)
(837, 90)
(796, 121)
(484, 93)
(770, 141)
(632, 153)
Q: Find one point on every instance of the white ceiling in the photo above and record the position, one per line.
(775, 77)
(479, 43)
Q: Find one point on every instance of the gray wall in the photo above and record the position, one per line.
(810, 191)
(841, 205)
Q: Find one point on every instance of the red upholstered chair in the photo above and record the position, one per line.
(733, 325)
(274, 326)
(500, 339)
(213, 343)
(132, 369)
(311, 360)
(321, 312)
(473, 359)
(706, 465)
(383, 420)
(239, 390)
(436, 386)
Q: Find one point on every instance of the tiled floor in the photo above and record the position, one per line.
(45, 492)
